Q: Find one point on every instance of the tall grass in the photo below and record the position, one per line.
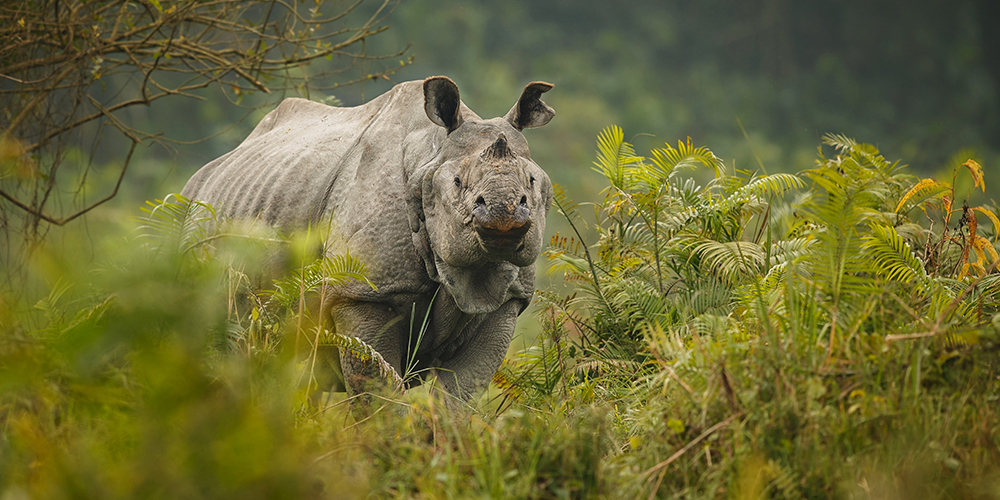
(832, 334)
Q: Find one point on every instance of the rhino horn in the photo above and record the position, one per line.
(530, 111)
(499, 150)
(442, 103)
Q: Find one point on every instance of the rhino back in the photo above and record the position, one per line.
(308, 163)
(304, 159)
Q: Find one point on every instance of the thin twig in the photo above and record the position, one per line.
(586, 252)
(60, 222)
(54, 49)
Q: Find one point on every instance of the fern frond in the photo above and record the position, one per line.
(840, 142)
(729, 260)
(708, 324)
(598, 367)
(668, 159)
(564, 245)
(873, 160)
(638, 301)
(910, 231)
(532, 372)
(677, 220)
(567, 207)
(614, 157)
(984, 247)
(178, 221)
(561, 262)
(787, 250)
(505, 380)
(355, 351)
(926, 189)
(892, 257)
(338, 269)
(331, 269)
(709, 296)
(763, 186)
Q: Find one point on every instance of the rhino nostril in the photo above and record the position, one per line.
(524, 200)
(480, 201)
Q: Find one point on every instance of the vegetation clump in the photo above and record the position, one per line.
(831, 334)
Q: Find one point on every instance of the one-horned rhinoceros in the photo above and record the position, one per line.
(446, 209)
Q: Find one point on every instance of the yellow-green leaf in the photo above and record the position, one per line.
(982, 244)
(993, 218)
(977, 173)
(923, 185)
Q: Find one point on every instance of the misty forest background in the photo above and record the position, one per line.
(791, 348)
(763, 79)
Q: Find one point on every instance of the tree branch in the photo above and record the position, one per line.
(59, 222)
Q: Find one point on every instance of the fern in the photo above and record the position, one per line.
(668, 159)
(731, 261)
(356, 350)
(615, 157)
(178, 221)
(532, 375)
(840, 142)
(566, 206)
(923, 192)
(764, 186)
(716, 264)
(893, 257)
(329, 270)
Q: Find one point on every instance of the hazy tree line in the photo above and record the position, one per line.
(761, 81)
(922, 79)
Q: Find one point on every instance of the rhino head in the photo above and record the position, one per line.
(478, 208)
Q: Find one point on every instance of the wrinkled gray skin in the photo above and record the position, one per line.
(430, 196)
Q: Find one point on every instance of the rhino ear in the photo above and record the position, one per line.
(441, 102)
(530, 111)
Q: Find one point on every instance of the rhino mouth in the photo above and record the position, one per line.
(502, 240)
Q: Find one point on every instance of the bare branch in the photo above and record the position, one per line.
(59, 222)
(58, 56)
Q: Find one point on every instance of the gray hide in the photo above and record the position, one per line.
(434, 199)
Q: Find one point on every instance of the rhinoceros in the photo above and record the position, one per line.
(446, 209)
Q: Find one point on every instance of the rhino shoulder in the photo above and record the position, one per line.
(290, 111)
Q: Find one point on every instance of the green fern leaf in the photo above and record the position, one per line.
(668, 159)
(892, 257)
(615, 157)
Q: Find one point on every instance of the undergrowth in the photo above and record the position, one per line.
(831, 334)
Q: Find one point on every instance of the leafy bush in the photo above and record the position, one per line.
(833, 345)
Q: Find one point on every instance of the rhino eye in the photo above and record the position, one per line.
(458, 182)
(532, 181)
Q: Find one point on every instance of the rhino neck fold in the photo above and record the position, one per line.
(420, 181)
(480, 290)
(415, 213)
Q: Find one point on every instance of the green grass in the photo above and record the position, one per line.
(809, 336)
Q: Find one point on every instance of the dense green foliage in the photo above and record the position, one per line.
(817, 348)
(832, 334)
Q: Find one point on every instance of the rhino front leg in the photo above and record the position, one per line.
(486, 341)
(380, 327)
